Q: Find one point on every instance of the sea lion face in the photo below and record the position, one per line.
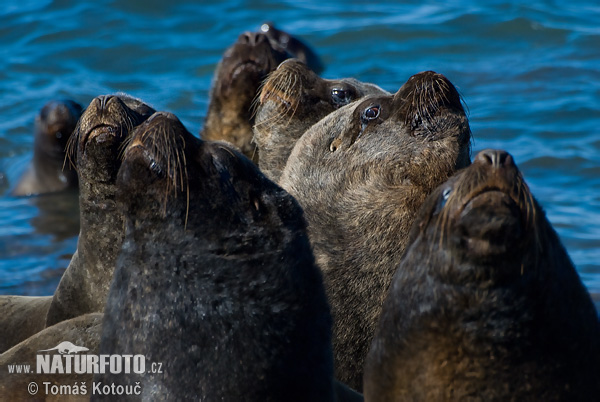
(292, 99)
(169, 174)
(101, 129)
(248, 60)
(417, 137)
(55, 124)
(485, 214)
(237, 78)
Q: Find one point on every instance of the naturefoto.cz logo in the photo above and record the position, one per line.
(70, 360)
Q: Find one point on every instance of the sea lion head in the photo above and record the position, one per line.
(181, 177)
(416, 137)
(485, 215)
(291, 100)
(245, 64)
(55, 124)
(100, 132)
(243, 67)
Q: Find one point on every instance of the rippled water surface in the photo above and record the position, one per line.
(530, 75)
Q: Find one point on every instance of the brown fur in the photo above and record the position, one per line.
(81, 331)
(22, 316)
(237, 78)
(46, 172)
(360, 183)
(486, 304)
(97, 142)
(291, 100)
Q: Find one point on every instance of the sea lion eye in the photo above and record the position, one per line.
(156, 169)
(443, 199)
(371, 113)
(446, 193)
(341, 96)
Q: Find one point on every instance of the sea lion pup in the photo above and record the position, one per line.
(216, 279)
(53, 127)
(97, 141)
(361, 174)
(80, 334)
(237, 78)
(21, 317)
(292, 99)
(294, 46)
(486, 304)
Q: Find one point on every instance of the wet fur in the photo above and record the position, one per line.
(360, 186)
(463, 326)
(84, 285)
(46, 172)
(229, 116)
(216, 278)
(291, 100)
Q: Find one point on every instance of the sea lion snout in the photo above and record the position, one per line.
(252, 38)
(496, 158)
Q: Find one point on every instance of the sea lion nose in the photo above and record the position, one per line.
(252, 38)
(104, 99)
(495, 157)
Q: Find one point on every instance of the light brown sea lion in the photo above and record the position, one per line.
(237, 78)
(46, 172)
(361, 174)
(216, 278)
(291, 100)
(486, 303)
(97, 140)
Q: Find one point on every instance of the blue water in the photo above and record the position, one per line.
(530, 75)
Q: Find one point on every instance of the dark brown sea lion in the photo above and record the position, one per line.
(216, 279)
(294, 46)
(83, 332)
(21, 317)
(237, 78)
(361, 174)
(291, 100)
(53, 127)
(97, 140)
(486, 303)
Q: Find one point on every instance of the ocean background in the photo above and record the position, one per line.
(528, 72)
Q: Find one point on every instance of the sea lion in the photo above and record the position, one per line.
(83, 332)
(21, 317)
(215, 279)
(294, 46)
(46, 172)
(237, 78)
(486, 303)
(360, 174)
(97, 141)
(291, 100)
